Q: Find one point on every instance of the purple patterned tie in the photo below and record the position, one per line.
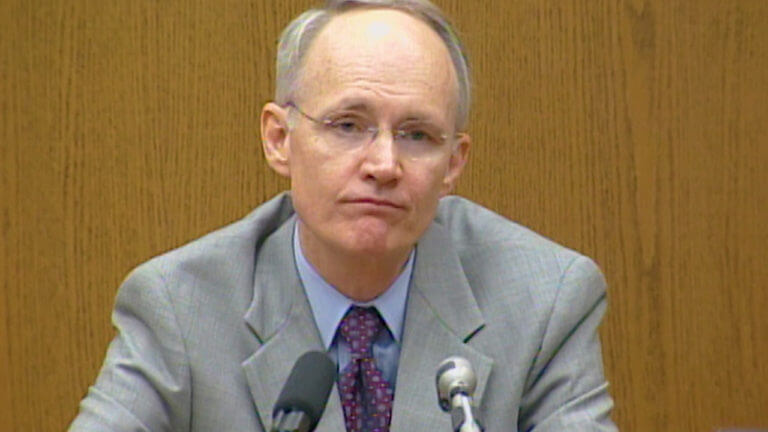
(366, 396)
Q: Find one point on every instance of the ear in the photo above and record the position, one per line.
(458, 159)
(274, 138)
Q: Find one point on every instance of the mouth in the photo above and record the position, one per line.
(375, 203)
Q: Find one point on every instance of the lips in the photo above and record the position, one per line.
(377, 202)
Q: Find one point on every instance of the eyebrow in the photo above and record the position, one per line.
(350, 105)
(355, 104)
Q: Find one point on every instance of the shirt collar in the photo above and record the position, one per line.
(329, 305)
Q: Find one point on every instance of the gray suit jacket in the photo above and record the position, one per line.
(208, 333)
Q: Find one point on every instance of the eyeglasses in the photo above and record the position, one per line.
(349, 131)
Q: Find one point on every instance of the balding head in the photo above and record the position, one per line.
(380, 52)
(300, 35)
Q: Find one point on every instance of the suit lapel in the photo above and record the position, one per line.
(281, 317)
(441, 316)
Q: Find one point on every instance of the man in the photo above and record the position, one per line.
(371, 100)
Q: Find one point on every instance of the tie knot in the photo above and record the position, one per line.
(359, 328)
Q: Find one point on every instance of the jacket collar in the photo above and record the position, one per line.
(441, 317)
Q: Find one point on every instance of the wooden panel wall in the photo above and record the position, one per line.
(632, 130)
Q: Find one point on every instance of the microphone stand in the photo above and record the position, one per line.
(464, 414)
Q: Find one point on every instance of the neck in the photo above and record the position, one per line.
(359, 277)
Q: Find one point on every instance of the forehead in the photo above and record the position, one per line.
(383, 56)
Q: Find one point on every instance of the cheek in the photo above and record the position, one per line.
(316, 176)
(426, 191)
(429, 182)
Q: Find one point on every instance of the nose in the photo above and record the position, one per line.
(381, 162)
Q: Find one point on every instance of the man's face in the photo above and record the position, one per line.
(390, 69)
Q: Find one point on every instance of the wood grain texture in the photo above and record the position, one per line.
(632, 130)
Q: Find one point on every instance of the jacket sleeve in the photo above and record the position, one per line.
(566, 389)
(144, 381)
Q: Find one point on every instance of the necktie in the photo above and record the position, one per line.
(366, 397)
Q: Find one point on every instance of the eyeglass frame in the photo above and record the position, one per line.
(372, 130)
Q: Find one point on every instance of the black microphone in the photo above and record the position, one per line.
(456, 384)
(302, 401)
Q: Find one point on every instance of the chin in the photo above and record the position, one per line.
(374, 239)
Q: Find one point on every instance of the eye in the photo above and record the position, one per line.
(347, 125)
(419, 135)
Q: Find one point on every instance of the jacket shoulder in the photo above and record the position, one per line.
(242, 236)
(225, 257)
(507, 264)
(473, 226)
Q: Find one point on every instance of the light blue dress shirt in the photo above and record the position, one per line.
(329, 307)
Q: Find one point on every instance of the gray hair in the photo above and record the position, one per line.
(298, 36)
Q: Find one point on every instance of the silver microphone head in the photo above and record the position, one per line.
(454, 375)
